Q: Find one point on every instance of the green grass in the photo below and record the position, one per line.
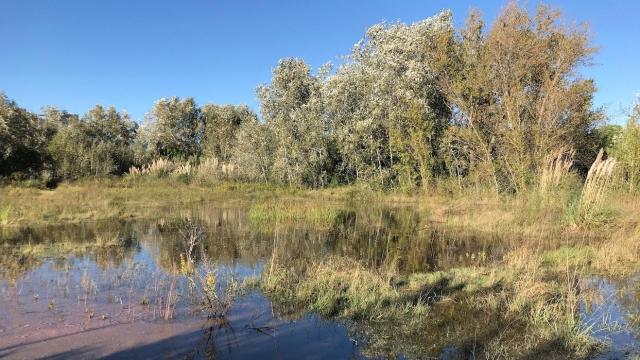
(143, 197)
(269, 215)
(571, 257)
(6, 214)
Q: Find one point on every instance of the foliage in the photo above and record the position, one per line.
(387, 113)
(176, 128)
(626, 149)
(98, 144)
(254, 151)
(518, 97)
(500, 107)
(292, 109)
(221, 126)
(22, 139)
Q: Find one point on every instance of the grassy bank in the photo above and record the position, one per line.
(102, 199)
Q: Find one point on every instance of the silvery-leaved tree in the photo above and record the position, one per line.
(253, 153)
(177, 128)
(292, 108)
(221, 126)
(387, 112)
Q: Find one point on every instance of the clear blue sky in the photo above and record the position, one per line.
(128, 53)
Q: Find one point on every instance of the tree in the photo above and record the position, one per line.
(253, 153)
(221, 125)
(22, 140)
(292, 108)
(98, 144)
(53, 119)
(626, 149)
(177, 126)
(517, 95)
(388, 113)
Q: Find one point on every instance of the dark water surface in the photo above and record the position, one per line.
(100, 289)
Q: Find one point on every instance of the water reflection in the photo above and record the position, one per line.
(613, 314)
(402, 238)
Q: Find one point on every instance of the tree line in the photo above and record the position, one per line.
(412, 105)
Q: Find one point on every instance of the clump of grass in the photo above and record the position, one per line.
(344, 288)
(572, 257)
(204, 171)
(159, 167)
(619, 255)
(269, 214)
(6, 214)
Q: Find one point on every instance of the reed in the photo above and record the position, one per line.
(557, 167)
(596, 187)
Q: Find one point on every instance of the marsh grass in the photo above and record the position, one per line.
(143, 197)
(6, 214)
(345, 288)
(268, 215)
(556, 169)
(573, 257)
(595, 189)
(538, 292)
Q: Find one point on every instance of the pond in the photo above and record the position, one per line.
(119, 289)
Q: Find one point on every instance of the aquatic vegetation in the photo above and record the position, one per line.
(6, 214)
(268, 215)
(574, 258)
(529, 291)
(203, 279)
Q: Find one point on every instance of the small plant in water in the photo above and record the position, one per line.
(203, 281)
(192, 236)
(214, 304)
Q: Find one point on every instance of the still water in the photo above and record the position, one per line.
(114, 289)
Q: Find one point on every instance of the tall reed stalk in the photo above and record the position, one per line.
(557, 167)
(597, 184)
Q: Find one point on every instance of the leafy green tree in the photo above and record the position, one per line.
(626, 149)
(98, 144)
(518, 97)
(608, 135)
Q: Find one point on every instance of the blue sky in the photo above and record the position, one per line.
(129, 53)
